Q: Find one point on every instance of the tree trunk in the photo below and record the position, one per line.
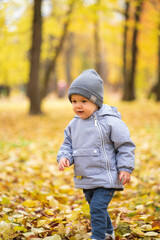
(125, 77)
(51, 66)
(156, 88)
(129, 86)
(68, 58)
(33, 84)
(135, 48)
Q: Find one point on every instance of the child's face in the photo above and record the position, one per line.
(82, 106)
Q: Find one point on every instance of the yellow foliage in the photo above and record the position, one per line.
(16, 39)
(30, 203)
(37, 200)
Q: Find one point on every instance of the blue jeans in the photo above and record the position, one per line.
(99, 199)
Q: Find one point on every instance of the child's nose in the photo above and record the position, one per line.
(78, 105)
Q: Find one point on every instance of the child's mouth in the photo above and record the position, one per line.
(80, 112)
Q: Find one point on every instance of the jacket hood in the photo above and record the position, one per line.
(108, 110)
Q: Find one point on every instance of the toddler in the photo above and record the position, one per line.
(98, 143)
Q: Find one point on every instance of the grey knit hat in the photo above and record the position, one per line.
(88, 84)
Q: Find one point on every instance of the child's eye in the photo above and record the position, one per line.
(73, 101)
(84, 101)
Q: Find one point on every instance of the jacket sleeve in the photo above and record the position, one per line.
(123, 145)
(66, 147)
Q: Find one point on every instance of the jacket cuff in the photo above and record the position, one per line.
(65, 155)
(125, 169)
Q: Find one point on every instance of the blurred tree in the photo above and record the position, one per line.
(33, 84)
(129, 64)
(126, 14)
(68, 57)
(156, 87)
(37, 88)
(52, 62)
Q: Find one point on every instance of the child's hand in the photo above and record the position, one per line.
(125, 177)
(63, 163)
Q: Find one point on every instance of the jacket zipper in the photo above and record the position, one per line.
(104, 152)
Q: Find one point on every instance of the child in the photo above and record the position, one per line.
(97, 142)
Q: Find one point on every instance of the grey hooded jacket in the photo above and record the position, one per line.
(99, 147)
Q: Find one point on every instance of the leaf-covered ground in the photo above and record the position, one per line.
(38, 202)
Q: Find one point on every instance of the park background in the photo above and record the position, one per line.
(44, 45)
